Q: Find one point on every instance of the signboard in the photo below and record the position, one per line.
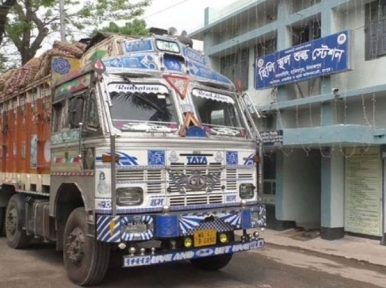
(272, 138)
(363, 182)
(313, 59)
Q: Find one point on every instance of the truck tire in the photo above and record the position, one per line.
(17, 238)
(2, 222)
(212, 263)
(86, 259)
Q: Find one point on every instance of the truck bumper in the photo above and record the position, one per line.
(116, 229)
(178, 255)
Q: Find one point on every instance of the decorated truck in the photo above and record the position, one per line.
(132, 146)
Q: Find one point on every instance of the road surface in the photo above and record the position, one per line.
(272, 267)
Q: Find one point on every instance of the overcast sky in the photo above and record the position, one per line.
(182, 14)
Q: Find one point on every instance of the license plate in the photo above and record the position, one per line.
(204, 237)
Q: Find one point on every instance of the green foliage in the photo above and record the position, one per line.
(135, 27)
(31, 21)
(6, 64)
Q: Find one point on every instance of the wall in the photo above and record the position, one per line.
(364, 73)
(367, 110)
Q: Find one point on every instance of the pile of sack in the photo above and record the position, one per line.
(38, 67)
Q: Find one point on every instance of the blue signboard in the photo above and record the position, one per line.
(320, 57)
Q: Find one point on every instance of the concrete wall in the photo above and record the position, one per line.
(368, 110)
(364, 73)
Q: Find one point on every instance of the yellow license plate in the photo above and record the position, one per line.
(204, 237)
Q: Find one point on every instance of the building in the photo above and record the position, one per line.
(316, 71)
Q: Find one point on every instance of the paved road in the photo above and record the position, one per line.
(273, 267)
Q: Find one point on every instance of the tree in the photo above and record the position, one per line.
(4, 10)
(136, 27)
(29, 22)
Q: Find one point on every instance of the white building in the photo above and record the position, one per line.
(327, 98)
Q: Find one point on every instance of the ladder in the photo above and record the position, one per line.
(252, 115)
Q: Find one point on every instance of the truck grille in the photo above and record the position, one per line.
(179, 174)
(153, 178)
(195, 200)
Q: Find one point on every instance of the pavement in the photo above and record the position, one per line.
(349, 247)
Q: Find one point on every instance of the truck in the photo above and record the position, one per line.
(134, 147)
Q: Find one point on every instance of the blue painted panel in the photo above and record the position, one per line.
(173, 63)
(201, 71)
(194, 55)
(246, 219)
(147, 62)
(232, 158)
(156, 157)
(195, 131)
(317, 58)
(138, 46)
(166, 226)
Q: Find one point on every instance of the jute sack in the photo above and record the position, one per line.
(69, 48)
(31, 69)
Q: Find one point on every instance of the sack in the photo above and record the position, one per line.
(71, 49)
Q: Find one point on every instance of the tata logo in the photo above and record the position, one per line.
(197, 160)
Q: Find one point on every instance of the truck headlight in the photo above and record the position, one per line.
(129, 196)
(246, 191)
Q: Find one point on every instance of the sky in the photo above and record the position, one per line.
(182, 14)
(185, 15)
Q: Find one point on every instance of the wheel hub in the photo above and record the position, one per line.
(11, 221)
(75, 245)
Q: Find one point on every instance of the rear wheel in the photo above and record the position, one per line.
(212, 263)
(17, 238)
(86, 260)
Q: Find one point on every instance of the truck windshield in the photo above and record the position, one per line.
(142, 108)
(217, 113)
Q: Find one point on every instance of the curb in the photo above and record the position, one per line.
(320, 253)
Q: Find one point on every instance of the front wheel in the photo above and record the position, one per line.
(86, 259)
(212, 263)
(17, 238)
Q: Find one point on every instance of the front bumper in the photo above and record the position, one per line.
(172, 256)
(115, 229)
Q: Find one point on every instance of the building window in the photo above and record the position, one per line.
(236, 67)
(375, 29)
(306, 33)
(265, 48)
(296, 5)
